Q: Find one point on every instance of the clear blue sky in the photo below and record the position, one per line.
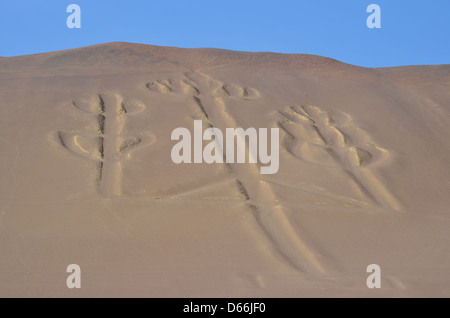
(412, 32)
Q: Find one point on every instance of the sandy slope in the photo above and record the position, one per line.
(87, 178)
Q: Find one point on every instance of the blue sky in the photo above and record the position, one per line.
(412, 32)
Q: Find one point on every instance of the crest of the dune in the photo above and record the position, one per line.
(131, 56)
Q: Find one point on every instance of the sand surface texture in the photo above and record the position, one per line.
(86, 176)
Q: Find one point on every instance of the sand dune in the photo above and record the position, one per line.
(87, 176)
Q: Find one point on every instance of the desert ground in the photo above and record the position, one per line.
(86, 176)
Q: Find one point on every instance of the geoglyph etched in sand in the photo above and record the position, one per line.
(210, 96)
(354, 144)
(314, 135)
(108, 146)
(334, 140)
